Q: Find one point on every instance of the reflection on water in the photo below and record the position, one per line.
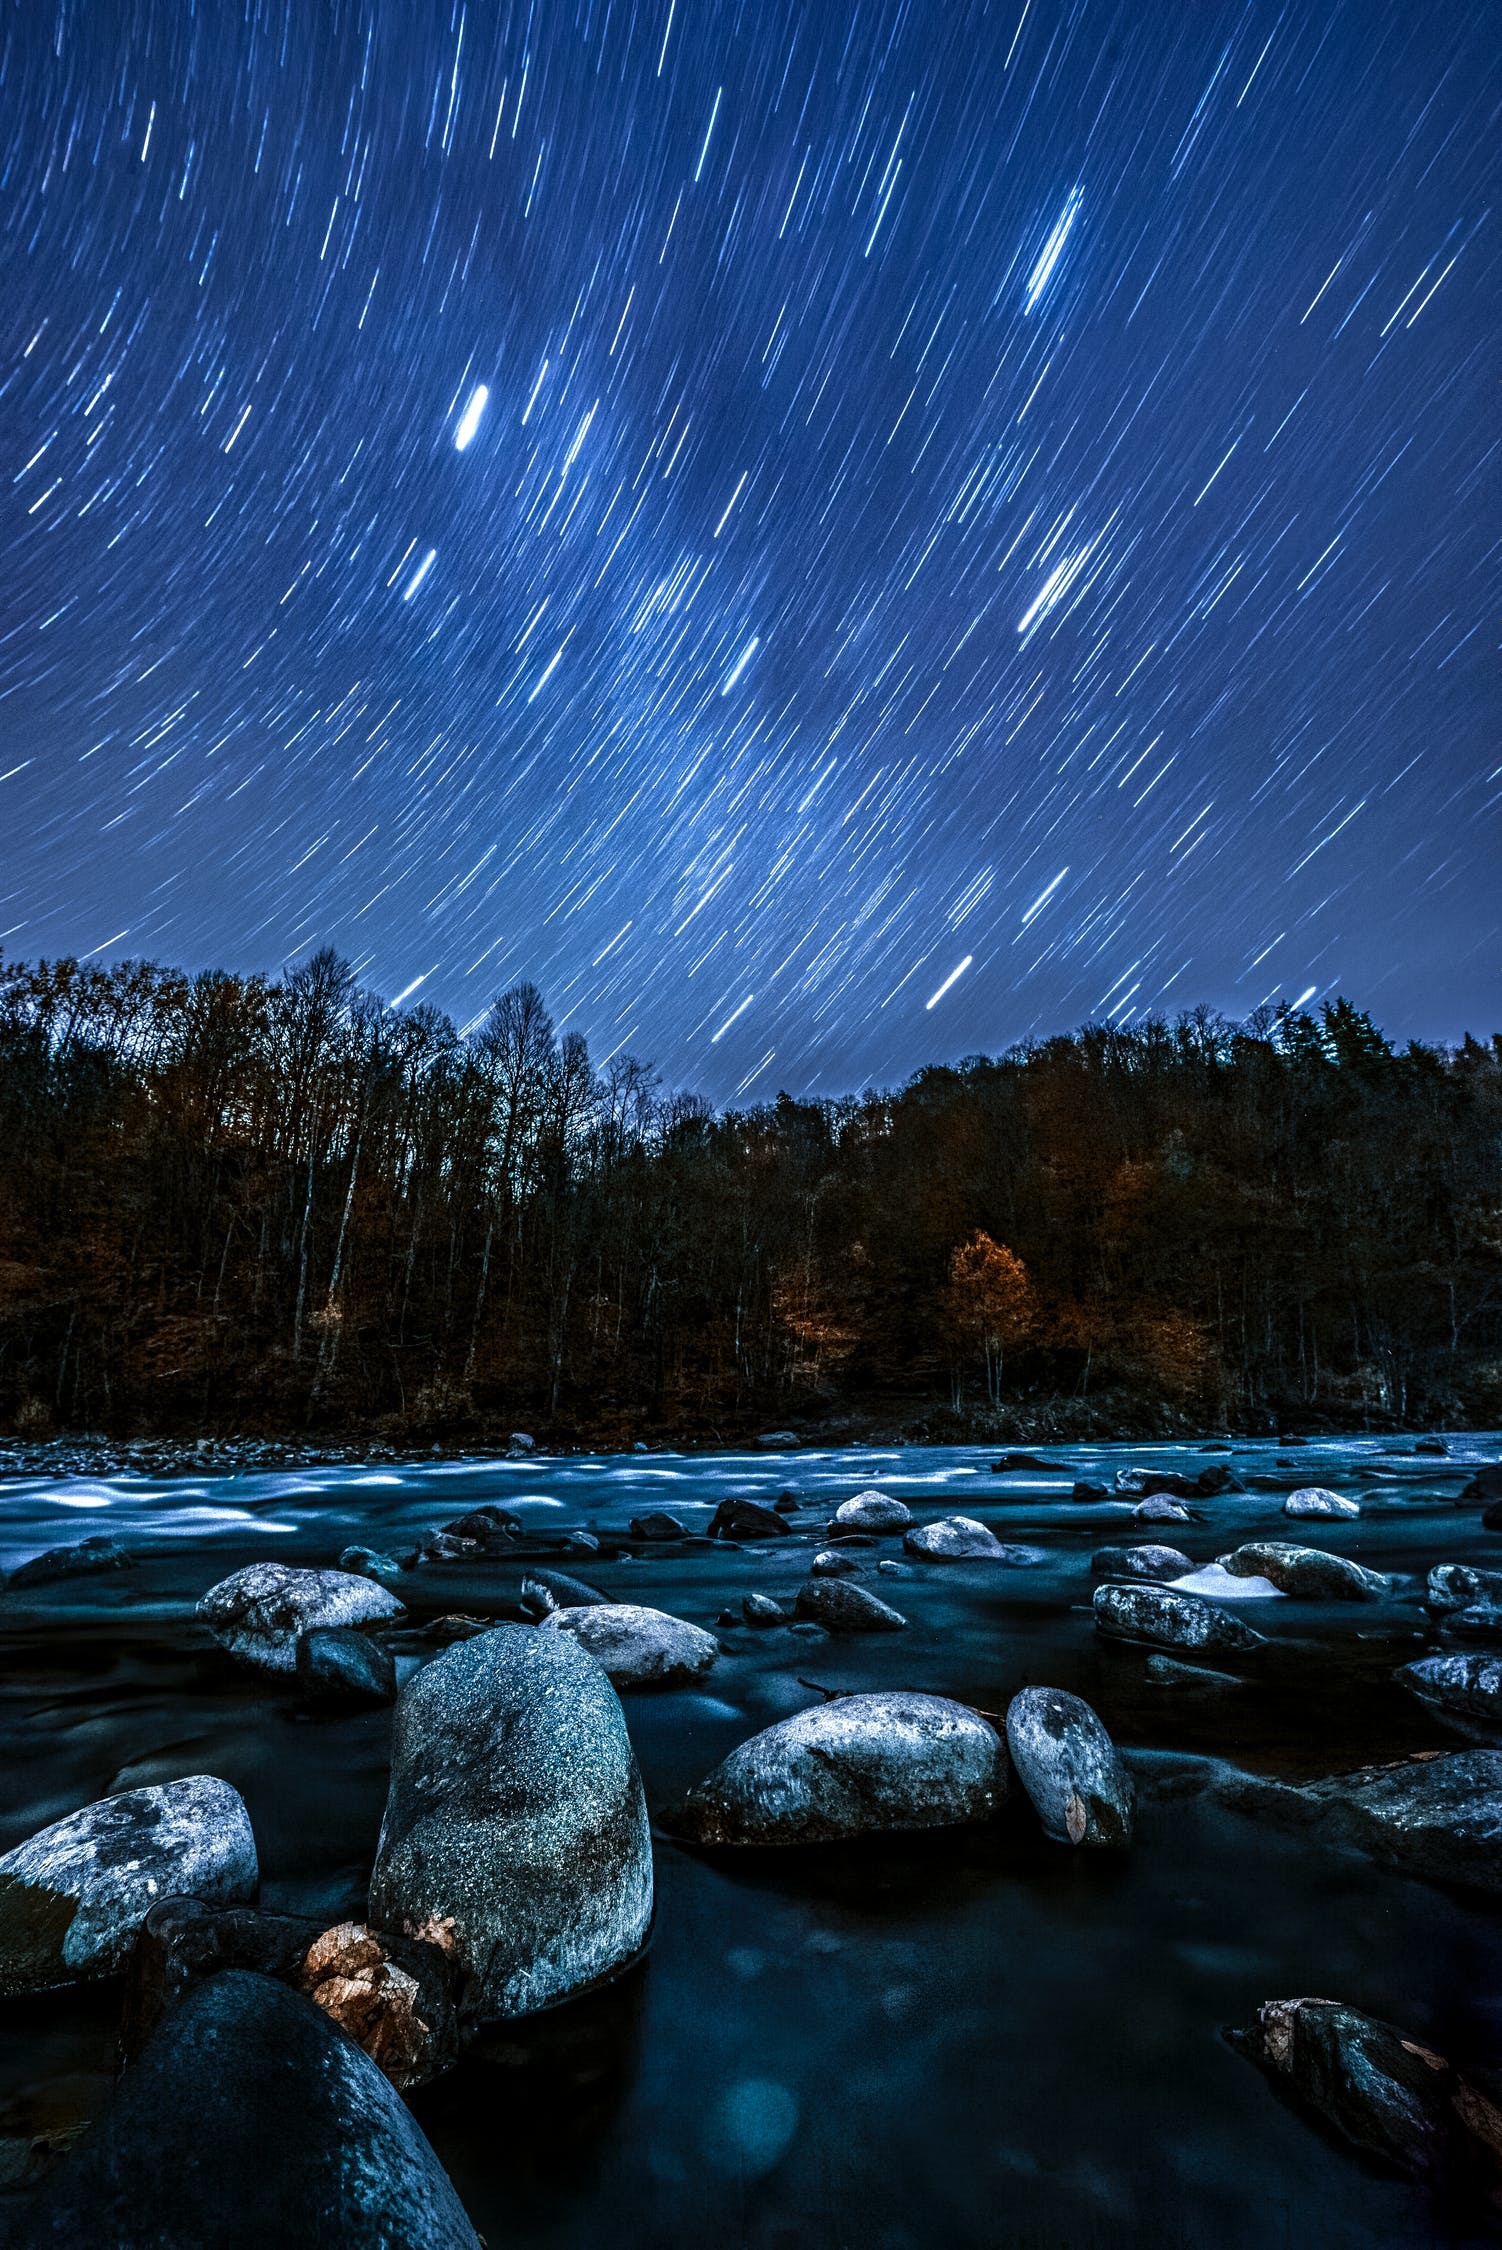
(961, 2039)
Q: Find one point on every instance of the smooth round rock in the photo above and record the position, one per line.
(834, 1562)
(1161, 1507)
(1068, 1764)
(515, 1832)
(1168, 1619)
(336, 1665)
(1306, 1572)
(1460, 1687)
(1159, 1563)
(1317, 1500)
(862, 1765)
(657, 1525)
(874, 1511)
(637, 1647)
(261, 1612)
(962, 1539)
(73, 1896)
(760, 1609)
(1462, 1586)
(842, 1608)
(251, 2119)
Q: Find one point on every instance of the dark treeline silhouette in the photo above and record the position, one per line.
(234, 1203)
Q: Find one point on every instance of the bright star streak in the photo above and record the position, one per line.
(730, 1019)
(742, 661)
(1052, 251)
(478, 401)
(1043, 897)
(420, 574)
(952, 978)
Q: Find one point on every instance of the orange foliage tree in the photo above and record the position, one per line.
(988, 1303)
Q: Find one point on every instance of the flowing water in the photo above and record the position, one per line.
(970, 2038)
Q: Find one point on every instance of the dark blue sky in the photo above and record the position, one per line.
(1007, 486)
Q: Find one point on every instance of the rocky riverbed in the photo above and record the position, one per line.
(786, 1848)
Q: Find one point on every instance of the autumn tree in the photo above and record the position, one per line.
(988, 1303)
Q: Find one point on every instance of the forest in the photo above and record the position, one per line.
(279, 1205)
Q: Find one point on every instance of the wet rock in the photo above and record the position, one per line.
(1440, 1817)
(889, 1568)
(1169, 1619)
(488, 1527)
(73, 1896)
(251, 2119)
(368, 1562)
(1388, 2095)
(515, 1832)
(638, 1647)
(184, 1940)
(747, 1519)
(335, 1665)
(448, 1546)
(545, 1590)
(1168, 1672)
(861, 1765)
(393, 1996)
(760, 1609)
(1461, 1586)
(538, 1545)
(260, 1613)
(521, 1443)
(835, 1562)
(1459, 1687)
(1010, 1461)
(778, 1441)
(1158, 1563)
(1481, 1622)
(1067, 1763)
(788, 1503)
(1206, 1484)
(1090, 1495)
(1160, 1507)
(1317, 1500)
(1486, 1484)
(1306, 1572)
(657, 1525)
(842, 1608)
(962, 1539)
(874, 1511)
(69, 1562)
(1430, 1445)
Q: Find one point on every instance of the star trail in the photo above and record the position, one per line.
(730, 510)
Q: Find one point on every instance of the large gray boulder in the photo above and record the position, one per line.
(250, 2119)
(1437, 1817)
(1069, 1767)
(874, 1511)
(1463, 1586)
(1169, 1619)
(73, 1896)
(1156, 1564)
(861, 1765)
(1308, 1572)
(515, 1831)
(1318, 1500)
(637, 1647)
(99, 1553)
(962, 1539)
(842, 1608)
(1389, 2095)
(1458, 1687)
(260, 1613)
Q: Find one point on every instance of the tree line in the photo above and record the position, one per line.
(279, 1204)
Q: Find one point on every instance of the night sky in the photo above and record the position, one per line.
(828, 536)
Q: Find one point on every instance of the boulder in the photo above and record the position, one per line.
(1306, 1572)
(760, 1609)
(261, 1612)
(1191, 1679)
(544, 1590)
(68, 1562)
(874, 1511)
(73, 1896)
(842, 1608)
(335, 1665)
(1010, 1461)
(1387, 2094)
(521, 1443)
(962, 1539)
(249, 2119)
(637, 1647)
(515, 1832)
(747, 1519)
(1159, 1563)
(1486, 1484)
(1161, 1507)
(1458, 1687)
(1481, 1622)
(657, 1525)
(368, 1562)
(778, 1441)
(1068, 1765)
(1206, 1484)
(1461, 1586)
(1316, 1500)
(861, 1765)
(1169, 1619)
(184, 1940)
(835, 1562)
(1439, 1817)
(1090, 1495)
(487, 1527)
